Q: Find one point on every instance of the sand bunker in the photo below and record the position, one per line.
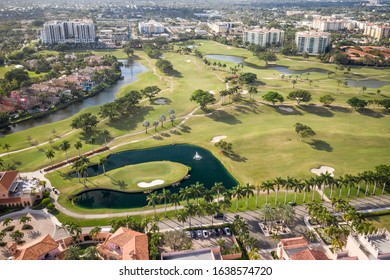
(322, 170)
(212, 92)
(151, 184)
(244, 92)
(286, 109)
(160, 101)
(216, 139)
(188, 60)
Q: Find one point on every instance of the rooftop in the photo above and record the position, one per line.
(200, 254)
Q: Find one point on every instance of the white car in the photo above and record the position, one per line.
(199, 232)
(205, 234)
(227, 230)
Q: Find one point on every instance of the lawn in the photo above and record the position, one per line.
(263, 137)
(380, 221)
(4, 69)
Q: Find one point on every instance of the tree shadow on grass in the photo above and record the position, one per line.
(317, 110)
(284, 109)
(321, 145)
(370, 113)
(176, 132)
(236, 157)
(185, 128)
(158, 137)
(121, 184)
(222, 116)
(130, 122)
(165, 134)
(340, 109)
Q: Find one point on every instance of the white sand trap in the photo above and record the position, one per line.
(244, 91)
(188, 60)
(286, 109)
(151, 184)
(160, 101)
(216, 139)
(212, 92)
(322, 170)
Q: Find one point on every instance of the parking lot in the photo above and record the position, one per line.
(208, 240)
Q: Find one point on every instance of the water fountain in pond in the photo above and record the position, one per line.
(197, 156)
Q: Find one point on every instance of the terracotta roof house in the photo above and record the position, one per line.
(297, 248)
(125, 244)
(45, 248)
(7, 182)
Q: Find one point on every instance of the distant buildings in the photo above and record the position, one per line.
(377, 32)
(222, 28)
(151, 27)
(76, 31)
(312, 42)
(264, 37)
(330, 24)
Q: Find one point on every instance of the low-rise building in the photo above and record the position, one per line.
(213, 253)
(298, 248)
(151, 27)
(125, 244)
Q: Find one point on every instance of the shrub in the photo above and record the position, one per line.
(2, 244)
(9, 228)
(50, 207)
(27, 227)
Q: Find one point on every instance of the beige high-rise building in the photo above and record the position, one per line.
(264, 37)
(377, 32)
(312, 42)
(71, 31)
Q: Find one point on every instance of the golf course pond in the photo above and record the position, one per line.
(369, 83)
(205, 168)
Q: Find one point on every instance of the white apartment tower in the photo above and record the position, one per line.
(264, 37)
(377, 32)
(76, 31)
(312, 42)
(151, 27)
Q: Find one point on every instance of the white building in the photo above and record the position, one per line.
(329, 25)
(312, 42)
(76, 31)
(151, 27)
(377, 32)
(264, 37)
(224, 27)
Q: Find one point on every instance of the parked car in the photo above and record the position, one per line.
(216, 232)
(219, 216)
(199, 232)
(188, 233)
(227, 230)
(193, 234)
(205, 233)
(221, 231)
(211, 232)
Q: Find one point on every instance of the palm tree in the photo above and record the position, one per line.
(218, 188)
(185, 193)
(349, 181)
(50, 154)
(166, 196)
(162, 120)
(152, 200)
(182, 216)
(78, 145)
(327, 180)
(65, 146)
(191, 211)
(172, 118)
(289, 184)
(93, 233)
(197, 190)
(175, 200)
(155, 124)
(212, 209)
(6, 147)
(248, 190)
(102, 162)
(72, 253)
(208, 195)
(252, 91)
(200, 211)
(91, 253)
(358, 180)
(146, 124)
(307, 184)
(257, 188)
(267, 186)
(298, 187)
(24, 220)
(267, 213)
(2, 235)
(74, 229)
(225, 204)
(238, 194)
(279, 181)
(7, 221)
(17, 236)
(83, 171)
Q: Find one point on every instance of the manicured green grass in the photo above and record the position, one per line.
(4, 69)
(380, 221)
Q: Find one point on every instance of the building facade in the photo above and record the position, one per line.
(151, 27)
(377, 32)
(330, 25)
(264, 37)
(77, 31)
(312, 42)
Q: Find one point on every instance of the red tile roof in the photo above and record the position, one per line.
(7, 179)
(294, 242)
(310, 255)
(36, 249)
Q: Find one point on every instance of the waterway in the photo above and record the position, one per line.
(207, 170)
(130, 70)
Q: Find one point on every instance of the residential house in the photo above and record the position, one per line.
(298, 248)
